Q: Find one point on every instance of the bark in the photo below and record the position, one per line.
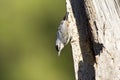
(95, 39)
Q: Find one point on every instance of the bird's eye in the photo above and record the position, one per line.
(57, 47)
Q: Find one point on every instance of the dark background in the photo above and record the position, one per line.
(27, 41)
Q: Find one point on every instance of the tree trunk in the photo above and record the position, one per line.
(95, 39)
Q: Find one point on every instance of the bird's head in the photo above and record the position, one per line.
(59, 46)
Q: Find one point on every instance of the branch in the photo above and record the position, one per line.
(75, 38)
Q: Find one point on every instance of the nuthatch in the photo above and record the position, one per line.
(63, 35)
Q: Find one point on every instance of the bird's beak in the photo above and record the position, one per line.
(59, 53)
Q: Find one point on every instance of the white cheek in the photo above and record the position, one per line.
(57, 42)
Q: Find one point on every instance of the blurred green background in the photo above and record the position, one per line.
(27, 41)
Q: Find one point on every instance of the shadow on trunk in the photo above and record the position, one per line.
(89, 47)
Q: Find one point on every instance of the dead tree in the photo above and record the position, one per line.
(95, 38)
